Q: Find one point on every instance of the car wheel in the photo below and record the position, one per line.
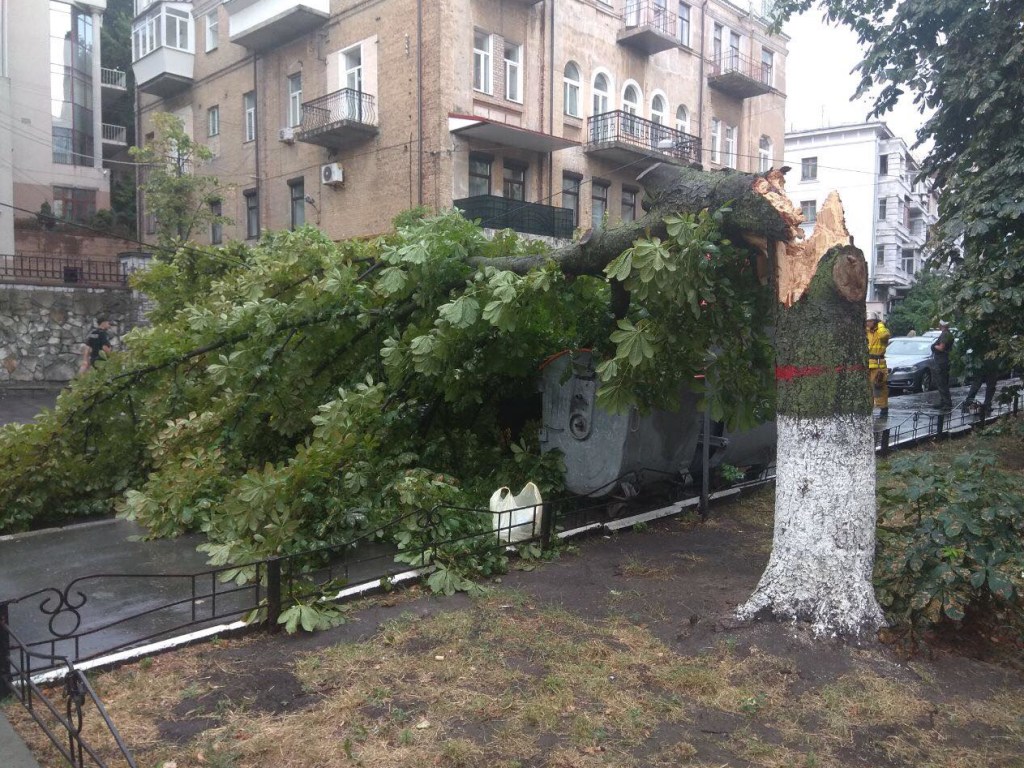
(926, 382)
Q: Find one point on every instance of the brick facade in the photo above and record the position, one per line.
(418, 67)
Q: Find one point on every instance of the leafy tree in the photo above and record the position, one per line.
(922, 305)
(180, 197)
(965, 61)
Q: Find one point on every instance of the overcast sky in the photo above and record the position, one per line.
(819, 82)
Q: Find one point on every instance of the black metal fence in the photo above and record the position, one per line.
(344, 106)
(61, 270)
(655, 138)
(531, 218)
(732, 61)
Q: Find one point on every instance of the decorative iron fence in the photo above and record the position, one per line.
(48, 270)
(626, 128)
(531, 218)
(344, 106)
(61, 722)
(733, 61)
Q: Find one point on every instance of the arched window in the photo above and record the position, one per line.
(764, 154)
(571, 90)
(683, 119)
(631, 100)
(601, 94)
(658, 110)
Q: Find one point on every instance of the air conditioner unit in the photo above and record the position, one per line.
(332, 174)
(287, 135)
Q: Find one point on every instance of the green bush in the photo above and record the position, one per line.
(950, 543)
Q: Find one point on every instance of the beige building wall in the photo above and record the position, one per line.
(418, 63)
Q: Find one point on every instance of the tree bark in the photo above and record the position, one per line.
(823, 549)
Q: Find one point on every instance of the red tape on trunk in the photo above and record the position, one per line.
(790, 372)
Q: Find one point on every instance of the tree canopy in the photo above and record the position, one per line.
(963, 59)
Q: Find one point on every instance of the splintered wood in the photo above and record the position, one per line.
(797, 259)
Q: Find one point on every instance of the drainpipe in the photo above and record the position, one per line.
(139, 229)
(419, 101)
(259, 124)
(551, 94)
(700, 92)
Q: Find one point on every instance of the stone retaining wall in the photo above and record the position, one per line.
(42, 329)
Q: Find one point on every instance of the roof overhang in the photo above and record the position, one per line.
(482, 129)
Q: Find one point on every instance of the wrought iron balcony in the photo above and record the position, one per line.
(648, 27)
(622, 137)
(114, 79)
(530, 218)
(740, 76)
(338, 119)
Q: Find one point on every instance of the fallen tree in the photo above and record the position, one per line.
(302, 397)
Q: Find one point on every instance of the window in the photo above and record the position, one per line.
(598, 204)
(809, 208)
(145, 36)
(734, 51)
(514, 72)
(716, 140)
(74, 204)
(515, 181)
(716, 43)
(809, 169)
(658, 110)
(601, 94)
(571, 196)
(730, 146)
(479, 175)
(213, 121)
(883, 165)
(216, 226)
(72, 38)
(295, 100)
(880, 255)
(628, 204)
(297, 197)
(212, 31)
(683, 119)
(571, 90)
(882, 208)
(683, 24)
(352, 103)
(176, 29)
(601, 127)
(631, 105)
(767, 67)
(252, 214)
(764, 155)
(482, 43)
(909, 257)
(249, 109)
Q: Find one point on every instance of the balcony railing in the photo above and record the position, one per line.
(530, 218)
(115, 134)
(114, 78)
(50, 270)
(739, 75)
(338, 119)
(648, 26)
(625, 131)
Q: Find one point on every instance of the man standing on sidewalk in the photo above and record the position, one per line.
(941, 348)
(878, 340)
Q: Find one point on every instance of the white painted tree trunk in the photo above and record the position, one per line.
(824, 544)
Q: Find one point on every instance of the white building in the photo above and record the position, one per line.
(888, 212)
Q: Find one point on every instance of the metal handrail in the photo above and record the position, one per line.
(644, 13)
(627, 128)
(734, 61)
(59, 269)
(114, 78)
(345, 106)
(115, 134)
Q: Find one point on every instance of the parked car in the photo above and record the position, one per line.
(910, 363)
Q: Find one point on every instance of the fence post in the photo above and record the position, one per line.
(940, 424)
(273, 593)
(547, 512)
(1016, 401)
(885, 441)
(6, 676)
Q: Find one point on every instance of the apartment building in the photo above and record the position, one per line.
(531, 114)
(889, 211)
(52, 91)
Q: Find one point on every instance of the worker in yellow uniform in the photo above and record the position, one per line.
(878, 340)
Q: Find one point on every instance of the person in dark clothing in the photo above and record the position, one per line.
(941, 348)
(983, 367)
(96, 343)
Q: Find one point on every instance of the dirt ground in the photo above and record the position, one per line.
(617, 652)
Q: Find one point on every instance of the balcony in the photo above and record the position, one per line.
(622, 137)
(338, 120)
(260, 25)
(163, 49)
(529, 218)
(893, 276)
(114, 79)
(740, 76)
(114, 136)
(648, 27)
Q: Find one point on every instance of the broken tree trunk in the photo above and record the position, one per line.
(823, 550)
(824, 543)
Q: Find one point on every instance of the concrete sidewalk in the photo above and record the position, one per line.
(13, 752)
